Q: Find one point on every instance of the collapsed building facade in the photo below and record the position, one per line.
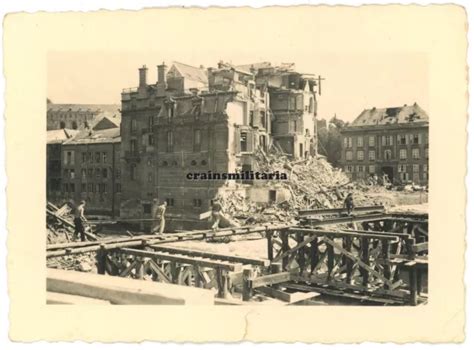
(193, 120)
(388, 141)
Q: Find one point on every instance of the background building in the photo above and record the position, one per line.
(55, 139)
(79, 116)
(89, 166)
(392, 141)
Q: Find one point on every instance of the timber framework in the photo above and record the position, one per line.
(372, 257)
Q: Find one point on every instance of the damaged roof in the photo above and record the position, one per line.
(392, 115)
(111, 135)
(190, 72)
(60, 135)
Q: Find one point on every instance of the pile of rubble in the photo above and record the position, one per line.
(60, 229)
(312, 183)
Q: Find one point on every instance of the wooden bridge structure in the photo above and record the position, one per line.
(370, 256)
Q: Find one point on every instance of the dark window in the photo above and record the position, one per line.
(243, 142)
(151, 140)
(74, 125)
(197, 203)
(197, 140)
(97, 173)
(193, 163)
(83, 188)
(170, 202)
(62, 125)
(104, 157)
(118, 188)
(132, 172)
(89, 172)
(133, 125)
(272, 195)
(104, 173)
(133, 146)
(90, 188)
(301, 150)
(203, 162)
(170, 141)
(84, 157)
(146, 208)
(118, 173)
(97, 157)
(72, 188)
(262, 118)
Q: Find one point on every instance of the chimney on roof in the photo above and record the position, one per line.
(142, 72)
(220, 64)
(415, 104)
(162, 73)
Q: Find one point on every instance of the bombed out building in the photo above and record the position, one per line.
(191, 119)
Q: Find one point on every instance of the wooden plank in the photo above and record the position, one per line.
(68, 299)
(271, 279)
(119, 290)
(224, 257)
(289, 298)
(184, 259)
(346, 233)
(420, 247)
(342, 294)
(307, 212)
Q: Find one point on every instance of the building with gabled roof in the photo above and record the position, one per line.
(79, 116)
(90, 169)
(391, 142)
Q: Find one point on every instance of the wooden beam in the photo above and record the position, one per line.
(184, 259)
(271, 279)
(307, 212)
(289, 298)
(215, 256)
(119, 290)
(68, 299)
(358, 261)
(295, 248)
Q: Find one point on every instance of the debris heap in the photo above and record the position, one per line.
(312, 183)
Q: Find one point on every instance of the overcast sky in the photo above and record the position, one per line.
(352, 82)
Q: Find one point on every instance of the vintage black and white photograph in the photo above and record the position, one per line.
(243, 181)
(275, 174)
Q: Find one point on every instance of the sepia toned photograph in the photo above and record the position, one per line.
(227, 184)
(224, 177)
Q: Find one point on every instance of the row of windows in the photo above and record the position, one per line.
(402, 168)
(387, 154)
(404, 177)
(402, 139)
(170, 142)
(92, 188)
(87, 157)
(102, 173)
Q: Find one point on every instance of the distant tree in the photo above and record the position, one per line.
(330, 140)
